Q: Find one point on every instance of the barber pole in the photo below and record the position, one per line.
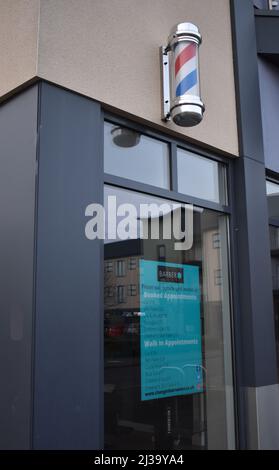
(186, 69)
(182, 102)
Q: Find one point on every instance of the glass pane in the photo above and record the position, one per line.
(273, 199)
(168, 366)
(274, 244)
(131, 155)
(201, 177)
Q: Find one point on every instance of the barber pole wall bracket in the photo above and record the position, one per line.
(180, 77)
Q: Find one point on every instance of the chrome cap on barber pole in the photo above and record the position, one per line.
(181, 85)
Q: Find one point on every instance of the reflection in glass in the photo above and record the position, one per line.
(168, 370)
(131, 155)
(273, 199)
(200, 177)
(274, 245)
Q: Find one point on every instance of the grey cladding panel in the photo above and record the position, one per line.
(18, 134)
(68, 368)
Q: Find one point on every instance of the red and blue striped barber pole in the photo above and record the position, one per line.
(186, 69)
(186, 107)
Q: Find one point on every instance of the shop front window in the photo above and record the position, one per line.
(200, 177)
(168, 356)
(132, 155)
(273, 208)
(177, 396)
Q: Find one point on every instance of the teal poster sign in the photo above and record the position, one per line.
(170, 330)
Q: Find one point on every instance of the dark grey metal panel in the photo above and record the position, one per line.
(258, 365)
(254, 320)
(269, 83)
(256, 338)
(247, 80)
(267, 31)
(69, 320)
(18, 134)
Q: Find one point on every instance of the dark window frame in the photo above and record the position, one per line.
(132, 290)
(273, 222)
(121, 298)
(132, 264)
(109, 266)
(273, 178)
(161, 258)
(218, 277)
(120, 272)
(216, 242)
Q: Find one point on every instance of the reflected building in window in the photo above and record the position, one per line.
(197, 420)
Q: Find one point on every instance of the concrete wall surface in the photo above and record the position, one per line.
(109, 50)
(18, 42)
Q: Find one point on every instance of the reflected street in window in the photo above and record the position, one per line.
(168, 365)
